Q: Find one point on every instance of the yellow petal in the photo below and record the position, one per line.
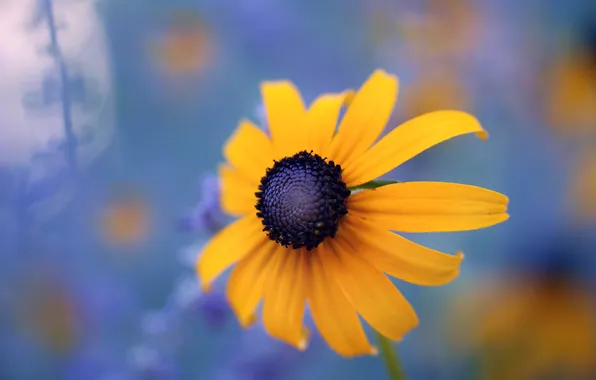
(246, 285)
(250, 151)
(408, 140)
(398, 256)
(237, 192)
(430, 207)
(285, 115)
(365, 118)
(321, 120)
(583, 186)
(285, 299)
(505, 315)
(334, 316)
(231, 244)
(371, 293)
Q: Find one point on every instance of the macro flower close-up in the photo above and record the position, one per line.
(315, 227)
(297, 190)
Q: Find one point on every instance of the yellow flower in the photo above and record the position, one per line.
(125, 221)
(304, 237)
(441, 30)
(583, 186)
(48, 312)
(532, 329)
(185, 48)
(571, 96)
(436, 90)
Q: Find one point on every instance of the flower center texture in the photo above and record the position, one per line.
(301, 200)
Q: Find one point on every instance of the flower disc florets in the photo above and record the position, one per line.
(301, 200)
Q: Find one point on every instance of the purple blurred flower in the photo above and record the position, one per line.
(152, 364)
(214, 309)
(156, 323)
(207, 215)
(257, 356)
(212, 306)
(188, 255)
(163, 329)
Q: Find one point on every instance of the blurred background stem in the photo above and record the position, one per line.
(389, 355)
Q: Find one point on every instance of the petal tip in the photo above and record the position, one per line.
(482, 135)
(279, 83)
(302, 345)
(247, 321)
(348, 97)
(379, 71)
(374, 351)
(204, 280)
(244, 123)
(383, 75)
(206, 287)
(304, 340)
(383, 72)
(267, 83)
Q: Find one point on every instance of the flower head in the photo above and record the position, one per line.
(301, 200)
(314, 229)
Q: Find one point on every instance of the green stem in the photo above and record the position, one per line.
(373, 185)
(389, 354)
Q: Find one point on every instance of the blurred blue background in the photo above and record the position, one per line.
(112, 118)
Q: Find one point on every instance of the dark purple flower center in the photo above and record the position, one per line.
(301, 200)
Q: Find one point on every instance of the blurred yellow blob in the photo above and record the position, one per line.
(436, 91)
(125, 221)
(530, 330)
(380, 26)
(184, 49)
(442, 29)
(452, 28)
(571, 96)
(48, 313)
(583, 187)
